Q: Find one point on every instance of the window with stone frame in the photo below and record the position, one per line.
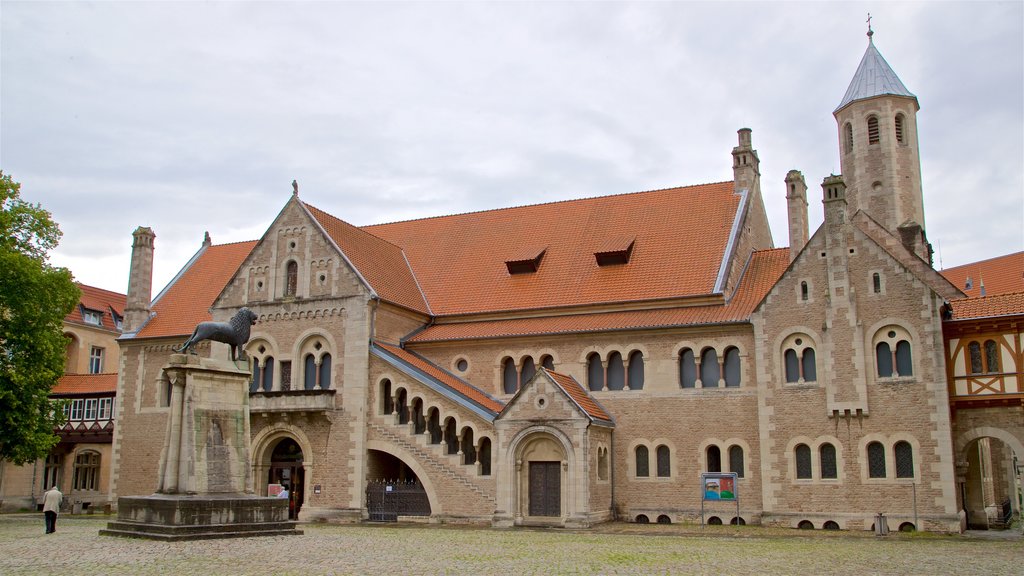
(387, 403)
(635, 379)
(876, 460)
(732, 367)
(95, 360)
(268, 373)
(53, 470)
(848, 138)
(616, 379)
(713, 457)
(291, 282)
(643, 462)
(664, 457)
(736, 460)
(528, 371)
(87, 471)
(323, 377)
(873, 136)
(829, 464)
(309, 372)
(802, 453)
(903, 454)
(509, 376)
(899, 121)
(484, 456)
(595, 373)
(687, 369)
(892, 353)
(602, 463)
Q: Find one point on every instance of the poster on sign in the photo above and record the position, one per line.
(719, 487)
(274, 489)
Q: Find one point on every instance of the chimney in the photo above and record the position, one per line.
(834, 198)
(140, 280)
(745, 165)
(796, 199)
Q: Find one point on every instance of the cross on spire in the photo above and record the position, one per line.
(870, 31)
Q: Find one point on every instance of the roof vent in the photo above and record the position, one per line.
(525, 261)
(615, 251)
(969, 284)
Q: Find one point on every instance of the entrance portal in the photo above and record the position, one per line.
(286, 470)
(992, 485)
(545, 489)
(393, 489)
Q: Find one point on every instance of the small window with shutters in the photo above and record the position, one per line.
(873, 130)
(899, 129)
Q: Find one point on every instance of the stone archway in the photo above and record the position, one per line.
(988, 476)
(542, 477)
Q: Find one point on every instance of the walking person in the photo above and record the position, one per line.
(51, 505)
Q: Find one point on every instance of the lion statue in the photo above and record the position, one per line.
(234, 332)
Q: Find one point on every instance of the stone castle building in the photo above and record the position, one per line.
(582, 361)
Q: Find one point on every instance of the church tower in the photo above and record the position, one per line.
(881, 166)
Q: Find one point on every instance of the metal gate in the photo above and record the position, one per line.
(386, 500)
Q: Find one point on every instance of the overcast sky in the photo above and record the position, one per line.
(188, 117)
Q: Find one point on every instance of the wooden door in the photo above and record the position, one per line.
(545, 489)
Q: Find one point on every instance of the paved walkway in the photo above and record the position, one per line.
(76, 548)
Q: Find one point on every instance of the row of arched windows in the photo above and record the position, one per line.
(614, 373)
(983, 363)
(663, 460)
(712, 371)
(903, 458)
(713, 459)
(893, 357)
(316, 373)
(513, 377)
(828, 461)
(428, 422)
(874, 131)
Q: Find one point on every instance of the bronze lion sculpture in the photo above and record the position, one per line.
(234, 332)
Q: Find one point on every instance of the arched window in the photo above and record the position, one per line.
(803, 462)
(324, 378)
(804, 293)
(687, 369)
(709, 370)
(883, 356)
(664, 456)
(268, 373)
(976, 362)
(991, 356)
(602, 463)
(434, 426)
(732, 367)
(291, 282)
(848, 138)
(528, 371)
(309, 372)
(616, 372)
(87, 471)
(876, 282)
(419, 421)
(736, 460)
(792, 366)
(636, 370)
(402, 407)
(451, 439)
(829, 470)
(256, 376)
(387, 405)
(509, 377)
(548, 362)
(642, 462)
(595, 373)
(872, 130)
(904, 456)
(904, 365)
(468, 451)
(485, 456)
(876, 460)
(810, 368)
(899, 128)
(714, 458)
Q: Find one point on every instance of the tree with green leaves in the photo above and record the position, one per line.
(34, 299)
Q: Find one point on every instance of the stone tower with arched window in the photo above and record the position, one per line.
(878, 151)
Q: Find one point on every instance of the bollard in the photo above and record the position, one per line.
(881, 526)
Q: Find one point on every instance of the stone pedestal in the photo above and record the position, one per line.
(205, 485)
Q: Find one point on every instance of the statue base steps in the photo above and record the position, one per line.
(174, 517)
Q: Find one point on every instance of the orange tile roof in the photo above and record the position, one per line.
(187, 300)
(382, 264)
(988, 306)
(1000, 275)
(446, 378)
(99, 300)
(580, 396)
(764, 269)
(69, 384)
(459, 260)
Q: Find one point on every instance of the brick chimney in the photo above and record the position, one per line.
(796, 199)
(140, 280)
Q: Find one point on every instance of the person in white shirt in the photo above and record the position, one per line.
(51, 506)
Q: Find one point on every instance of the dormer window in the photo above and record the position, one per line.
(615, 251)
(94, 317)
(526, 261)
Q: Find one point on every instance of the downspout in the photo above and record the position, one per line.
(611, 473)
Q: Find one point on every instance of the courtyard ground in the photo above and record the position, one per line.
(77, 548)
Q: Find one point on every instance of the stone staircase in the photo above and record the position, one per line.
(440, 465)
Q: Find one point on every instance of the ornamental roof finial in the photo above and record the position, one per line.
(870, 31)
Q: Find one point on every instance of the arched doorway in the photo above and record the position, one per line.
(286, 470)
(989, 474)
(393, 489)
(542, 482)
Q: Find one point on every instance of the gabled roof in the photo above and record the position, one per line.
(874, 77)
(999, 275)
(579, 396)
(71, 384)
(894, 246)
(681, 237)
(186, 301)
(1010, 304)
(763, 270)
(438, 379)
(382, 264)
(99, 300)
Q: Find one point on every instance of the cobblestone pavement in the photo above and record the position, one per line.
(77, 548)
